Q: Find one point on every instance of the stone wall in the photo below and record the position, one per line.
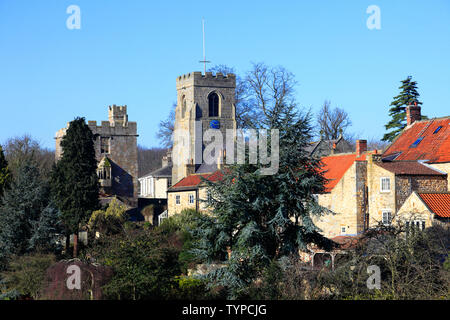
(445, 167)
(195, 88)
(405, 185)
(342, 200)
(121, 137)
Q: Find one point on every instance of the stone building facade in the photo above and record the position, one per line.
(204, 101)
(364, 191)
(115, 143)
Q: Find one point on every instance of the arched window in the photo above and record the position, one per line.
(213, 100)
(183, 107)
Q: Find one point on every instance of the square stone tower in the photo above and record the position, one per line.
(115, 143)
(204, 101)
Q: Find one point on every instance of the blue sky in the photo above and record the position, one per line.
(130, 52)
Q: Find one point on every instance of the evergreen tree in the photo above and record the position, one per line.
(74, 179)
(407, 96)
(263, 217)
(21, 207)
(46, 230)
(5, 175)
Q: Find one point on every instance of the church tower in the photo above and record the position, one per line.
(204, 101)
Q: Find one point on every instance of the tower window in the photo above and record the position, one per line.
(104, 145)
(213, 100)
(183, 107)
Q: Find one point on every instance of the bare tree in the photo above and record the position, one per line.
(166, 127)
(332, 121)
(149, 159)
(19, 149)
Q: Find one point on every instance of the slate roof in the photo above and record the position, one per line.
(409, 168)
(438, 203)
(434, 147)
(161, 172)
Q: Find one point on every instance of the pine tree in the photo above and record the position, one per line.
(407, 96)
(21, 208)
(263, 217)
(45, 231)
(5, 175)
(74, 181)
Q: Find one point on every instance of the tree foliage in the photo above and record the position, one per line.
(408, 96)
(74, 180)
(21, 210)
(110, 220)
(5, 175)
(263, 217)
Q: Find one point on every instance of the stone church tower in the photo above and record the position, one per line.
(115, 143)
(204, 101)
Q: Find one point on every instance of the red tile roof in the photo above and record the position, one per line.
(409, 168)
(434, 147)
(335, 167)
(194, 180)
(438, 203)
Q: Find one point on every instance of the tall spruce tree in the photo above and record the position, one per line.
(5, 175)
(74, 181)
(263, 217)
(408, 96)
(21, 207)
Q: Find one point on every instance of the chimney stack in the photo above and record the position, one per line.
(413, 114)
(361, 147)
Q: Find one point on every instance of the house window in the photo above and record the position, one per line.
(213, 100)
(343, 230)
(437, 129)
(416, 143)
(387, 217)
(104, 144)
(177, 199)
(385, 184)
(191, 199)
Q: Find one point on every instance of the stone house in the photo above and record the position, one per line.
(190, 192)
(427, 141)
(422, 210)
(363, 191)
(115, 143)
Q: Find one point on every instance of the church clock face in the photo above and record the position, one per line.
(214, 124)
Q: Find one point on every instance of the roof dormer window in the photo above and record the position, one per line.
(416, 142)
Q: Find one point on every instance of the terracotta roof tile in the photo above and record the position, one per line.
(335, 167)
(434, 147)
(194, 180)
(438, 203)
(409, 168)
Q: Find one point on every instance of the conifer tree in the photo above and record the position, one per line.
(5, 175)
(21, 208)
(74, 181)
(407, 96)
(260, 218)
(45, 231)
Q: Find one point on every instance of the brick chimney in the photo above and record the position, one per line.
(413, 114)
(361, 147)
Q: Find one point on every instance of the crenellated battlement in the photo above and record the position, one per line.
(208, 79)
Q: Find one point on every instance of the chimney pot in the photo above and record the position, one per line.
(413, 114)
(361, 147)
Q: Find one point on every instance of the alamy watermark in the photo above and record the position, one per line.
(74, 280)
(74, 20)
(374, 20)
(214, 149)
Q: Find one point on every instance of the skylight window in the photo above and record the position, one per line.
(416, 142)
(437, 129)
